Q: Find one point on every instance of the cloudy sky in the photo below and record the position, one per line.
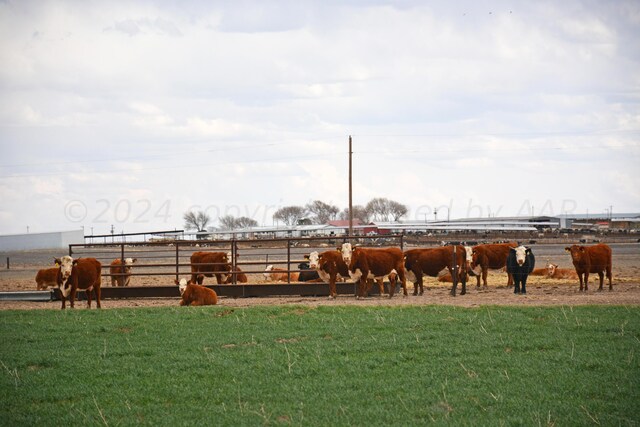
(131, 113)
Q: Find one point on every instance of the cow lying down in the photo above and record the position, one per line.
(193, 294)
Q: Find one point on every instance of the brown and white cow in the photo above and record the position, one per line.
(193, 294)
(554, 272)
(81, 273)
(121, 275)
(275, 274)
(47, 277)
(332, 268)
(431, 261)
(491, 256)
(374, 263)
(591, 259)
(239, 275)
(209, 264)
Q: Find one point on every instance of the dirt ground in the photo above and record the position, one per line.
(540, 290)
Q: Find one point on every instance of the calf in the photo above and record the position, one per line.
(121, 275)
(47, 277)
(493, 256)
(369, 263)
(209, 264)
(275, 274)
(81, 273)
(520, 263)
(553, 272)
(591, 259)
(238, 274)
(431, 261)
(193, 294)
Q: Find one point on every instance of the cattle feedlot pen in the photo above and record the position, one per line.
(252, 256)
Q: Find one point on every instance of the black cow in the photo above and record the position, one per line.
(520, 262)
(306, 274)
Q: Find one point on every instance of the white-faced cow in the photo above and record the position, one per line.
(194, 294)
(520, 263)
(121, 275)
(370, 263)
(332, 268)
(82, 273)
(275, 274)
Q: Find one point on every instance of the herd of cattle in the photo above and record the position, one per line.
(359, 264)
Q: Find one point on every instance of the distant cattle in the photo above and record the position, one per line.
(275, 274)
(209, 264)
(47, 277)
(431, 261)
(520, 263)
(82, 273)
(238, 274)
(194, 294)
(121, 275)
(490, 256)
(591, 259)
(540, 271)
(553, 272)
(370, 263)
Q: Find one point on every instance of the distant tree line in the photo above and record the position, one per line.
(316, 212)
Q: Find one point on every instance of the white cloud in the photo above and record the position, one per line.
(248, 106)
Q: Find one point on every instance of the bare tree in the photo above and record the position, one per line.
(323, 212)
(397, 210)
(244, 222)
(383, 209)
(229, 222)
(196, 221)
(290, 215)
(378, 208)
(359, 212)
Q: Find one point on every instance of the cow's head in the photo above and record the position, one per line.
(347, 251)
(577, 252)
(66, 264)
(267, 272)
(128, 263)
(314, 260)
(551, 269)
(182, 285)
(521, 254)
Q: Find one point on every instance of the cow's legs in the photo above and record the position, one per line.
(485, 271)
(609, 277)
(332, 286)
(586, 281)
(524, 284)
(516, 284)
(88, 292)
(601, 276)
(510, 280)
(97, 288)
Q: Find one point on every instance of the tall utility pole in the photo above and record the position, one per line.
(350, 191)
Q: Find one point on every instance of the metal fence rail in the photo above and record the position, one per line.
(251, 256)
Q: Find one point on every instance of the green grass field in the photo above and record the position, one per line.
(321, 366)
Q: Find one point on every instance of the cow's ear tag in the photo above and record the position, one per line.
(57, 265)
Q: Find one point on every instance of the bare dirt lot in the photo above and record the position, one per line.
(540, 290)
